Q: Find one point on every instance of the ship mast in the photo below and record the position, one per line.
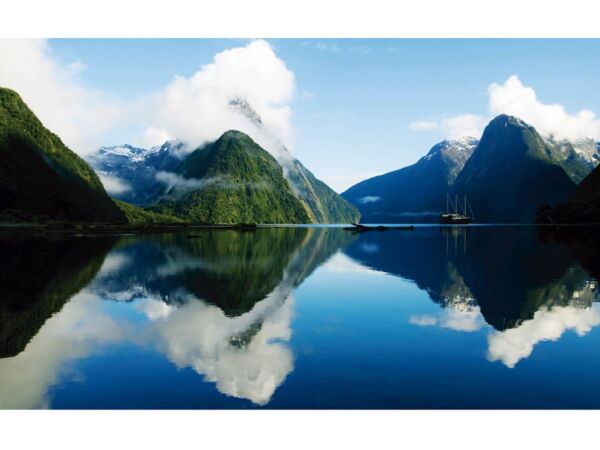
(470, 209)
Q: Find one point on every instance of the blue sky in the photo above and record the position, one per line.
(355, 100)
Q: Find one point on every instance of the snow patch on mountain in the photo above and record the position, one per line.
(586, 150)
(130, 173)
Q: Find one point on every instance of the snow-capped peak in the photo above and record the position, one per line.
(122, 150)
(136, 154)
(454, 148)
(586, 150)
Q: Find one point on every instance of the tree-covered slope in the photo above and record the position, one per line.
(511, 174)
(139, 216)
(40, 178)
(416, 193)
(232, 180)
(323, 204)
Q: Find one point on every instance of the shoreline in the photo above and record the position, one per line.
(111, 229)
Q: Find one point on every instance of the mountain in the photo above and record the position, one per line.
(415, 193)
(135, 171)
(40, 178)
(589, 189)
(577, 158)
(583, 205)
(232, 180)
(144, 177)
(322, 203)
(140, 216)
(511, 173)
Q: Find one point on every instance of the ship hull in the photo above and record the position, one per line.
(454, 219)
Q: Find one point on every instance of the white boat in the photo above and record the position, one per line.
(454, 216)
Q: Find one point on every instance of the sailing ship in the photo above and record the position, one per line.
(456, 217)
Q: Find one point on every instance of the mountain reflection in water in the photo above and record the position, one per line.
(526, 283)
(220, 308)
(220, 304)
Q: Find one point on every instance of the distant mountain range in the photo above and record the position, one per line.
(415, 193)
(509, 175)
(134, 170)
(230, 180)
(506, 176)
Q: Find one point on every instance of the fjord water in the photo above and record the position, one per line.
(302, 317)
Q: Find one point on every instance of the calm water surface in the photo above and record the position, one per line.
(480, 317)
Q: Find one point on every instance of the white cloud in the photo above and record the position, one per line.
(196, 109)
(113, 262)
(341, 263)
(453, 127)
(80, 116)
(369, 248)
(466, 320)
(112, 184)
(182, 184)
(178, 185)
(369, 199)
(424, 320)
(199, 335)
(79, 329)
(463, 125)
(470, 320)
(194, 334)
(155, 309)
(514, 98)
(512, 345)
(192, 109)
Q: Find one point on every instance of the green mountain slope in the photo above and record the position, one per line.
(139, 216)
(232, 180)
(511, 173)
(323, 204)
(40, 178)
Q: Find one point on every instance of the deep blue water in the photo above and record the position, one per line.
(474, 317)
